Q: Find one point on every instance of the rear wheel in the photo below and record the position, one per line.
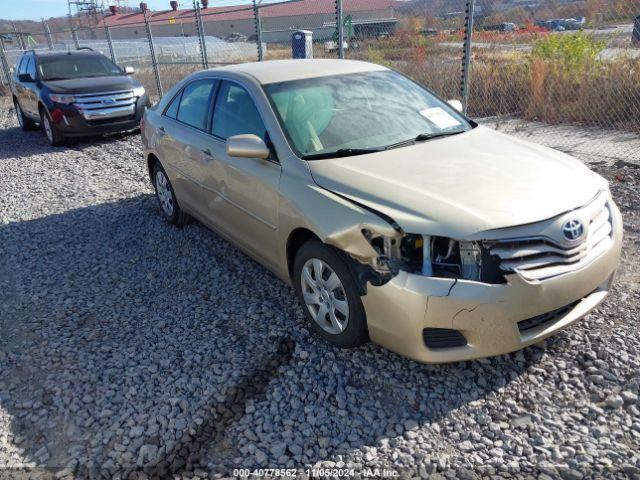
(25, 123)
(50, 130)
(328, 291)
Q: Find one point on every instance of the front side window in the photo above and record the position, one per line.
(77, 66)
(361, 111)
(236, 114)
(195, 103)
(22, 68)
(31, 68)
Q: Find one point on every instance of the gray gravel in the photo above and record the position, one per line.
(129, 347)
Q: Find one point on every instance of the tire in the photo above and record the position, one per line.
(340, 326)
(166, 197)
(50, 130)
(26, 124)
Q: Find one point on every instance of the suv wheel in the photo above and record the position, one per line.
(25, 123)
(328, 291)
(50, 130)
(169, 207)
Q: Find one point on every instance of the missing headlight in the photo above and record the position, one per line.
(464, 259)
(435, 257)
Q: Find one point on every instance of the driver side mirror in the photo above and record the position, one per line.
(457, 104)
(26, 78)
(247, 146)
(129, 70)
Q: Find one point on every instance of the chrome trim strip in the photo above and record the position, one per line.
(107, 113)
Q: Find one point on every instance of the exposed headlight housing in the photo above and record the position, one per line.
(61, 98)
(435, 257)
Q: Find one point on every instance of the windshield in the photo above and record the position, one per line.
(359, 112)
(76, 66)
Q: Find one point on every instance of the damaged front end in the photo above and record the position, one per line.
(433, 256)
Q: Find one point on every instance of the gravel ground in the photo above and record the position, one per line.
(129, 348)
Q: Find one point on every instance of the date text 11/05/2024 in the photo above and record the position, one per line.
(316, 472)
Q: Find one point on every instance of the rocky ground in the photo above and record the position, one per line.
(129, 348)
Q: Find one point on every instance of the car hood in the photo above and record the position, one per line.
(461, 185)
(92, 85)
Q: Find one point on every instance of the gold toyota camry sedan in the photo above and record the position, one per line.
(395, 217)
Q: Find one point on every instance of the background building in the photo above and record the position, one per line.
(365, 17)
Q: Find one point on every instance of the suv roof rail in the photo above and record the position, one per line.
(85, 48)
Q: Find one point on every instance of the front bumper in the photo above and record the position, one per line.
(487, 315)
(74, 124)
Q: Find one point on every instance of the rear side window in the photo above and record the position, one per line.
(172, 109)
(236, 114)
(195, 104)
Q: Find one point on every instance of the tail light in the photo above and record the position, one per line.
(56, 115)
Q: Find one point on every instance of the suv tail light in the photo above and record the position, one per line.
(56, 115)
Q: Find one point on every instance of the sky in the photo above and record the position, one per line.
(38, 9)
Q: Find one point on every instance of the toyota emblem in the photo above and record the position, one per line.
(573, 230)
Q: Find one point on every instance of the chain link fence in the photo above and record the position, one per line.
(565, 73)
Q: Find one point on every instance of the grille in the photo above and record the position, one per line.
(106, 105)
(545, 318)
(537, 258)
(443, 338)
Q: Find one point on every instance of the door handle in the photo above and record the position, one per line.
(162, 132)
(207, 152)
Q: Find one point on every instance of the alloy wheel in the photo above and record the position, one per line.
(164, 193)
(324, 296)
(47, 127)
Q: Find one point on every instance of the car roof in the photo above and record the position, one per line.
(275, 71)
(59, 53)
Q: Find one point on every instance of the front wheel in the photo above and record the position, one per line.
(50, 130)
(26, 124)
(328, 291)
